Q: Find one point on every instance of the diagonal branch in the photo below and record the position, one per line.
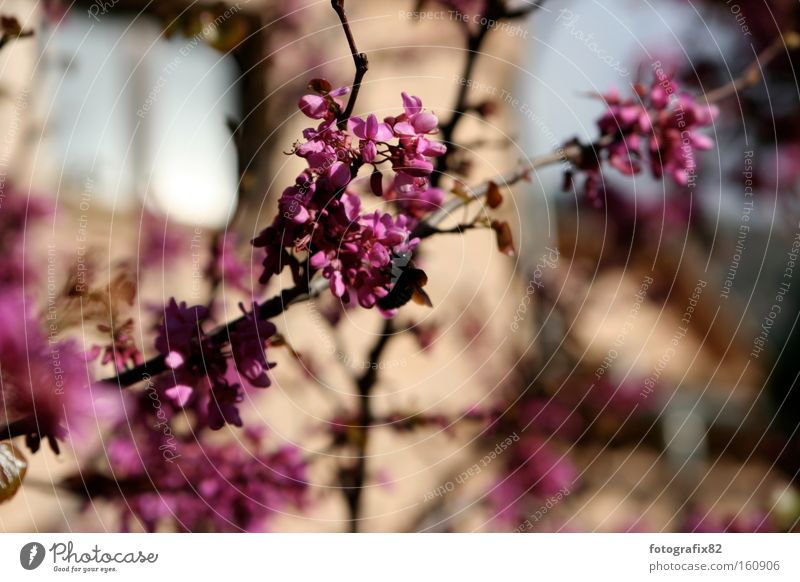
(271, 308)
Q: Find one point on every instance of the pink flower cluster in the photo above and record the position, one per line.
(321, 216)
(202, 487)
(201, 376)
(18, 213)
(657, 126)
(44, 382)
(122, 350)
(535, 467)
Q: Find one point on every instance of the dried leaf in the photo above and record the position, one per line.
(122, 288)
(10, 26)
(320, 86)
(505, 240)
(493, 196)
(460, 190)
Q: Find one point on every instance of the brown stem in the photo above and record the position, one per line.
(268, 309)
(17, 428)
(495, 12)
(8, 37)
(359, 59)
(354, 479)
(474, 42)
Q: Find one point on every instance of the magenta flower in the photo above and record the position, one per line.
(535, 470)
(248, 342)
(658, 125)
(415, 121)
(188, 485)
(180, 334)
(45, 381)
(324, 105)
(203, 376)
(122, 351)
(223, 406)
(321, 219)
(18, 214)
(361, 263)
(414, 196)
(370, 132)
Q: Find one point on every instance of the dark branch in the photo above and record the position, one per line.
(495, 12)
(268, 309)
(21, 427)
(353, 479)
(359, 59)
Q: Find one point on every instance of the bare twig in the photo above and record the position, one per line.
(359, 59)
(353, 479)
(495, 11)
(752, 74)
(10, 29)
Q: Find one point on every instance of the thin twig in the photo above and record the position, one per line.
(495, 12)
(752, 74)
(353, 487)
(359, 59)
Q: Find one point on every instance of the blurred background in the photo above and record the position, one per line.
(629, 351)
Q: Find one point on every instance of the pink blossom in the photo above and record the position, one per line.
(370, 132)
(657, 127)
(321, 218)
(187, 485)
(248, 340)
(45, 382)
(324, 105)
(203, 376)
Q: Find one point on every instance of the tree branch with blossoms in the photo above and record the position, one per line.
(326, 105)
(614, 136)
(321, 238)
